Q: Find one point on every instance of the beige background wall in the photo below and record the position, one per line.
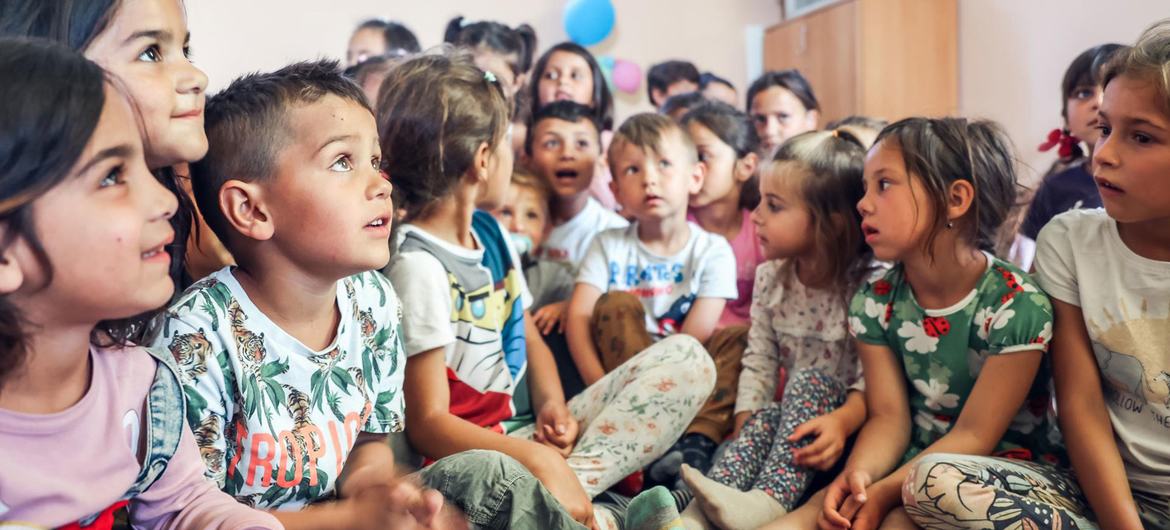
(231, 37)
(1012, 53)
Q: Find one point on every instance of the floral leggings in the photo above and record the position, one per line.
(959, 491)
(636, 412)
(761, 456)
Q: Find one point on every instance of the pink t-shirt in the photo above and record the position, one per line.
(64, 467)
(748, 255)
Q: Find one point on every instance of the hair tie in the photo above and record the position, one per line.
(490, 77)
(1061, 137)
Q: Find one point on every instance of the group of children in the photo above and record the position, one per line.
(732, 317)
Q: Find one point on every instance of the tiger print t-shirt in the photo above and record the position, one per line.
(274, 419)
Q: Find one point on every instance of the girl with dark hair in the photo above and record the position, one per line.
(782, 105)
(379, 38)
(504, 51)
(84, 260)
(146, 46)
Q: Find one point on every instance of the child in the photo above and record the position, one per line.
(498, 49)
(525, 213)
(562, 148)
(569, 72)
(1106, 271)
(670, 78)
(951, 339)
(376, 37)
(292, 361)
(863, 128)
(782, 105)
(478, 375)
(90, 421)
(817, 259)
(726, 143)
(679, 105)
(716, 88)
(671, 270)
(1069, 183)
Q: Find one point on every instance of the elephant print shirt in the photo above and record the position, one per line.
(274, 419)
(1125, 301)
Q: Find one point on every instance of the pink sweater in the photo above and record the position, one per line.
(63, 467)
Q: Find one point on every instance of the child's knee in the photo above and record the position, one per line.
(805, 380)
(687, 355)
(934, 472)
(618, 305)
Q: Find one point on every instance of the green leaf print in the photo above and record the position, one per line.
(381, 293)
(335, 404)
(196, 405)
(250, 392)
(275, 393)
(342, 379)
(368, 368)
(385, 397)
(235, 482)
(317, 389)
(209, 309)
(273, 369)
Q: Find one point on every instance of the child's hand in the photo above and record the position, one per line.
(844, 497)
(550, 316)
(400, 505)
(824, 451)
(556, 427)
(560, 480)
(740, 419)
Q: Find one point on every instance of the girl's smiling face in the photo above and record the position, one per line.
(146, 48)
(104, 230)
(566, 76)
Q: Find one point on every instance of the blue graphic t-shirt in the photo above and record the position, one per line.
(666, 285)
(470, 303)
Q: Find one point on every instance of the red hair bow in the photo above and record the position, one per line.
(1067, 142)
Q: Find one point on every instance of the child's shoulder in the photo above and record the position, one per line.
(215, 291)
(1005, 283)
(1086, 225)
(131, 368)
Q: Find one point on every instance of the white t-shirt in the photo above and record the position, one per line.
(667, 285)
(274, 419)
(1125, 300)
(551, 280)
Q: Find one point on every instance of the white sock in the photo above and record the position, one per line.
(729, 508)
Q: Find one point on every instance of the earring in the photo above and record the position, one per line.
(950, 224)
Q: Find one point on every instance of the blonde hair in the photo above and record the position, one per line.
(525, 178)
(1149, 59)
(646, 131)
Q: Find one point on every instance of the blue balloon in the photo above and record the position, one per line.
(589, 22)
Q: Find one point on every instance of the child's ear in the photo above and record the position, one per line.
(242, 204)
(657, 97)
(697, 176)
(479, 164)
(11, 275)
(960, 197)
(746, 167)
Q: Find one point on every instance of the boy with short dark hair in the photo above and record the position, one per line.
(292, 361)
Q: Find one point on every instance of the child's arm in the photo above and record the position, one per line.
(580, 337)
(999, 392)
(701, 320)
(831, 431)
(182, 498)
(554, 425)
(437, 432)
(1085, 423)
(760, 374)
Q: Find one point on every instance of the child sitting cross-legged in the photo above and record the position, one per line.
(292, 361)
(478, 374)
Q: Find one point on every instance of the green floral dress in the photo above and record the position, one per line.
(943, 350)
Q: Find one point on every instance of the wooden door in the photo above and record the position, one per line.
(823, 46)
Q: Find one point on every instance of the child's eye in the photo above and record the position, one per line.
(341, 164)
(774, 207)
(187, 52)
(151, 54)
(630, 170)
(1105, 130)
(551, 144)
(113, 178)
(576, 76)
(533, 216)
(1142, 138)
(884, 184)
(1083, 93)
(703, 157)
(583, 144)
(760, 119)
(376, 163)
(664, 163)
(551, 75)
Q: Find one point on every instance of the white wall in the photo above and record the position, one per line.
(231, 37)
(1013, 53)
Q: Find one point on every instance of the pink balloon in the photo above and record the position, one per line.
(627, 76)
